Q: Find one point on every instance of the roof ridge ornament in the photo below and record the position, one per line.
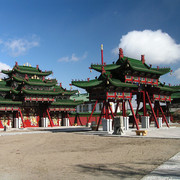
(121, 55)
(102, 60)
(143, 59)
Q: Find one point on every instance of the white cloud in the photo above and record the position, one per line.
(177, 73)
(17, 47)
(157, 46)
(3, 67)
(73, 58)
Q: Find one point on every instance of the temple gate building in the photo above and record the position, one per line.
(29, 99)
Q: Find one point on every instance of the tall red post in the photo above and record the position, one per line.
(102, 60)
(155, 118)
(92, 111)
(124, 108)
(135, 120)
(144, 103)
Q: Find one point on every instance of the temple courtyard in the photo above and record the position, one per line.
(76, 153)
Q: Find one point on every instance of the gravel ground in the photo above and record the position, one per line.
(68, 155)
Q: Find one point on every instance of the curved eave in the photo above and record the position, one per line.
(87, 84)
(175, 96)
(168, 89)
(66, 103)
(33, 72)
(4, 88)
(118, 83)
(34, 82)
(9, 102)
(137, 65)
(144, 69)
(40, 83)
(6, 72)
(14, 91)
(38, 92)
(108, 67)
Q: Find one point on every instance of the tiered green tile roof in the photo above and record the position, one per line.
(114, 75)
(27, 81)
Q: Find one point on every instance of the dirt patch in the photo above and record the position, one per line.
(75, 156)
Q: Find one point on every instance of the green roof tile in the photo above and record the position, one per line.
(108, 67)
(86, 84)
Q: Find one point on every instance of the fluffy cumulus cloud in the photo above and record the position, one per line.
(72, 58)
(157, 46)
(177, 73)
(18, 47)
(3, 67)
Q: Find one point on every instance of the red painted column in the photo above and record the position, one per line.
(92, 111)
(21, 117)
(163, 115)
(100, 116)
(117, 105)
(137, 126)
(144, 103)
(124, 108)
(107, 110)
(152, 110)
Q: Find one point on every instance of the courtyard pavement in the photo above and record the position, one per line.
(170, 170)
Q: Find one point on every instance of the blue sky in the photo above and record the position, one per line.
(65, 36)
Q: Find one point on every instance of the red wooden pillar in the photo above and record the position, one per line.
(135, 120)
(21, 117)
(102, 110)
(107, 110)
(152, 110)
(51, 122)
(144, 103)
(163, 115)
(117, 105)
(124, 108)
(92, 111)
(69, 118)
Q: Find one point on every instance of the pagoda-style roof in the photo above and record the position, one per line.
(87, 84)
(65, 102)
(34, 82)
(118, 83)
(4, 87)
(108, 67)
(27, 70)
(175, 95)
(6, 101)
(116, 76)
(139, 66)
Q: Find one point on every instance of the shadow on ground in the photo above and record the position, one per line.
(135, 170)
